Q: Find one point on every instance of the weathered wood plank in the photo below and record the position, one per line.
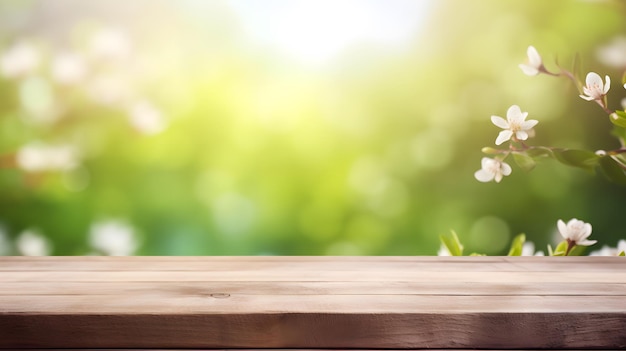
(230, 304)
(312, 302)
(422, 276)
(315, 288)
(298, 263)
(307, 330)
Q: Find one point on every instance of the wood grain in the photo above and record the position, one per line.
(313, 302)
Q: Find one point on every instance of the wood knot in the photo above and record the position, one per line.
(219, 295)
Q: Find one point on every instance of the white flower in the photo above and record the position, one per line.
(528, 249)
(113, 238)
(514, 125)
(146, 118)
(610, 251)
(20, 60)
(576, 232)
(534, 65)
(594, 88)
(32, 243)
(37, 157)
(614, 54)
(68, 68)
(443, 251)
(492, 169)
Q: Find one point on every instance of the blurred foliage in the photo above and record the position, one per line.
(369, 153)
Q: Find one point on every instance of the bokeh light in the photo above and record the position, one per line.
(293, 127)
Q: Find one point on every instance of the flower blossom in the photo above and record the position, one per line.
(528, 249)
(576, 232)
(20, 60)
(594, 88)
(38, 157)
(68, 68)
(443, 251)
(113, 238)
(514, 125)
(146, 118)
(492, 169)
(32, 243)
(614, 53)
(610, 251)
(534, 65)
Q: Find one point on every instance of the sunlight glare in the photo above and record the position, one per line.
(316, 31)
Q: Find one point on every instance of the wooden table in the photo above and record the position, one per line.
(313, 302)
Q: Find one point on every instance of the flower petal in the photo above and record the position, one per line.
(498, 177)
(485, 162)
(607, 84)
(586, 242)
(562, 229)
(526, 125)
(588, 98)
(514, 112)
(521, 135)
(586, 231)
(503, 136)
(572, 222)
(500, 122)
(506, 169)
(533, 56)
(483, 176)
(593, 79)
(529, 70)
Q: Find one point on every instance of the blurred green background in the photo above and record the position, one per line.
(293, 127)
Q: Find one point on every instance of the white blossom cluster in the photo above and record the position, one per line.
(516, 129)
(111, 237)
(105, 70)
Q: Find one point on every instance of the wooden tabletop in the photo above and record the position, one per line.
(313, 302)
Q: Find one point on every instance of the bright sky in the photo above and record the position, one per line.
(316, 31)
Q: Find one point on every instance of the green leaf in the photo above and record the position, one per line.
(524, 161)
(560, 249)
(477, 254)
(613, 170)
(550, 251)
(618, 118)
(619, 133)
(539, 151)
(622, 253)
(517, 244)
(577, 158)
(624, 78)
(452, 243)
(577, 251)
